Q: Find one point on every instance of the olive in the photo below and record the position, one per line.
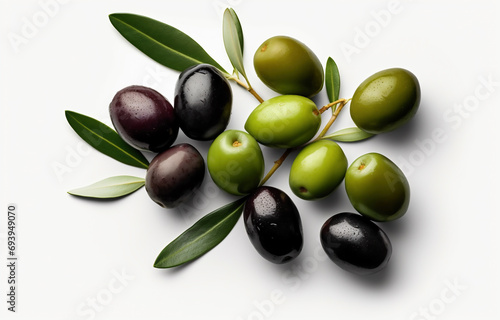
(355, 243)
(385, 101)
(317, 170)
(202, 103)
(288, 66)
(174, 175)
(284, 121)
(144, 118)
(235, 162)
(377, 188)
(273, 224)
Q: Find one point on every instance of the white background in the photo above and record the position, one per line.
(81, 259)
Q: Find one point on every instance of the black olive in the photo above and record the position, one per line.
(203, 101)
(174, 175)
(355, 243)
(144, 118)
(273, 224)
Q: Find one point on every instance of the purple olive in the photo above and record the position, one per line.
(355, 243)
(273, 224)
(144, 118)
(203, 101)
(174, 175)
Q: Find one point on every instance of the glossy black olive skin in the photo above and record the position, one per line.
(203, 102)
(174, 175)
(355, 243)
(273, 225)
(144, 118)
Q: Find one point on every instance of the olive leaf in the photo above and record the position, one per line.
(332, 80)
(113, 187)
(202, 237)
(349, 135)
(161, 42)
(105, 140)
(233, 40)
(238, 27)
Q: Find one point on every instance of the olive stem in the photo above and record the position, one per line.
(279, 162)
(331, 104)
(276, 165)
(248, 87)
(334, 116)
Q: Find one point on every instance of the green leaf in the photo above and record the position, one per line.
(105, 140)
(200, 238)
(112, 187)
(349, 135)
(161, 42)
(332, 80)
(233, 40)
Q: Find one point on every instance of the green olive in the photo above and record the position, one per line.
(288, 66)
(317, 170)
(235, 162)
(284, 121)
(377, 188)
(385, 101)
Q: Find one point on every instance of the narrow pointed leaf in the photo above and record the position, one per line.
(202, 237)
(332, 80)
(105, 140)
(233, 40)
(349, 135)
(113, 187)
(161, 42)
(237, 25)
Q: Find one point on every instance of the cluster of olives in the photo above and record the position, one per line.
(146, 120)
(375, 186)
